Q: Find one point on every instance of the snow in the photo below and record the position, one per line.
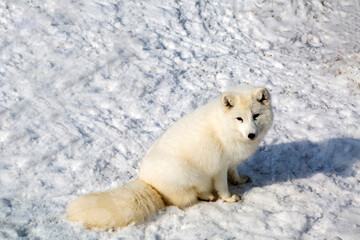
(87, 86)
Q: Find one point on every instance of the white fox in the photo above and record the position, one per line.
(190, 162)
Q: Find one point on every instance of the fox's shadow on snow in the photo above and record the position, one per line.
(301, 159)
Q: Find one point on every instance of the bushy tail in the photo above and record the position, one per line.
(117, 208)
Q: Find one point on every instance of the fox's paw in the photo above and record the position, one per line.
(236, 179)
(244, 179)
(207, 197)
(232, 199)
(241, 180)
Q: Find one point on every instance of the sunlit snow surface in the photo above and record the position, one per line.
(87, 86)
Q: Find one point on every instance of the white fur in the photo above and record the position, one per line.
(193, 158)
(117, 208)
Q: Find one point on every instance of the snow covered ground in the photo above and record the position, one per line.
(86, 86)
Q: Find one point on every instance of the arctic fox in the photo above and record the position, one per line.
(191, 161)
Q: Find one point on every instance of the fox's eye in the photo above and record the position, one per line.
(256, 116)
(240, 119)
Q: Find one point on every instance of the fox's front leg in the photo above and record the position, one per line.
(221, 186)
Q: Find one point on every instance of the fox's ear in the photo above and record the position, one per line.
(262, 95)
(228, 100)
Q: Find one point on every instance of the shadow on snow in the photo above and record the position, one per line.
(301, 159)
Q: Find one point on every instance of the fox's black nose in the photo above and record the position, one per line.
(251, 136)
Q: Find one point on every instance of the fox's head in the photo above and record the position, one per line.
(248, 112)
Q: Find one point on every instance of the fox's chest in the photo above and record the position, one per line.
(238, 152)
